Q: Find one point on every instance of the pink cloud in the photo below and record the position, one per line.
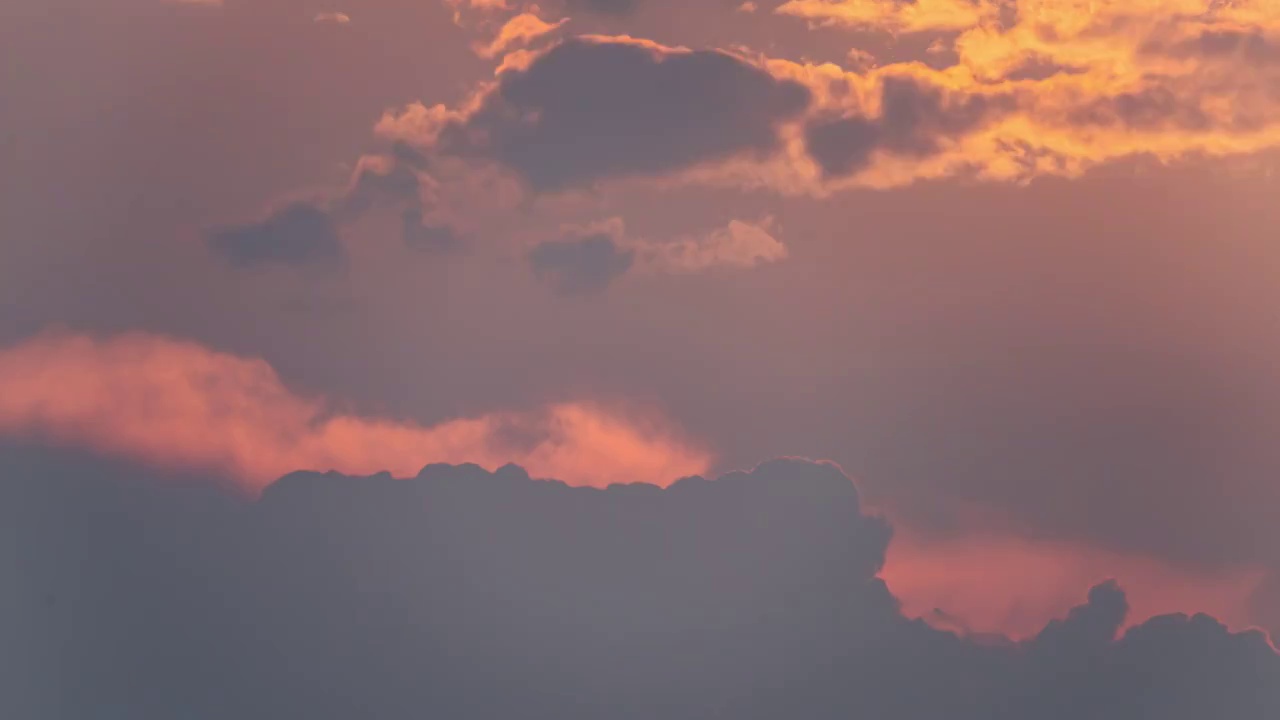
(996, 583)
(177, 404)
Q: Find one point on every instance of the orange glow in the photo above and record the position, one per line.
(520, 30)
(1014, 586)
(180, 405)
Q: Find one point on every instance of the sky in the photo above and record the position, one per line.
(748, 347)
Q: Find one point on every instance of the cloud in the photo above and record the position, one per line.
(1000, 583)
(593, 256)
(176, 404)
(306, 231)
(1038, 88)
(332, 18)
(605, 7)
(422, 235)
(581, 265)
(299, 233)
(520, 31)
(914, 119)
(462, 593)
(905, 16)
(740, 245)
(594, 108)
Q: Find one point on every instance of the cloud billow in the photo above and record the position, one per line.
(581, 265)
(468, 594)
(591, 109)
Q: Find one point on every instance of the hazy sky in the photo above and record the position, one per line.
(1007, 264)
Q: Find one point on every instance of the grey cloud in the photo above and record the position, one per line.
(915, 118)
(299, 233)
(581, 265)
(604, 7)
(467, 594)
(306, 232)
(422, 235)
(588, 110)
(1156, 106)
(369, 187)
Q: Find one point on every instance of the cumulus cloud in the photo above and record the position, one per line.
(519, 31)
(581, 265)
(1040, 87)
(307, 231)
(740, 245)
(591, 257)
(913, 119)
(177, 404)
(594, 108)
(299, 233)
(468, 594)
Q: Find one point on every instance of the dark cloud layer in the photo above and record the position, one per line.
(465, 594)
(300, 233)
(581, 265)
(605, 7)
(591, 109)
(914, 119)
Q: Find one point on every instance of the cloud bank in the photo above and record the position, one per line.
(469, 594)
(1039, 88)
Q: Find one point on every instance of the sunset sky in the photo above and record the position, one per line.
(1006, 269)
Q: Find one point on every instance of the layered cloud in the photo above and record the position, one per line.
(179, 405)
(462, 593)
(1040, 87)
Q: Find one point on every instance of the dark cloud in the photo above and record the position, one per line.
(396, 183)
(591, 109)
(1253, 46)
(422, 235)
(581, 265)
(299, 233)
(604, 7)
(467, 594)
(1150, 108)
(306, 232)
(915, 119)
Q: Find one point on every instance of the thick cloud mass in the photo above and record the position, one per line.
(914, 119)
(590, 109)
(298, 234)
(581, 265)
(465, 594)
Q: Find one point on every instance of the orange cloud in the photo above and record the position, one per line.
(177, 404)
(1063, 86)
(894, 15)
(520, 30)
(1014, 586)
